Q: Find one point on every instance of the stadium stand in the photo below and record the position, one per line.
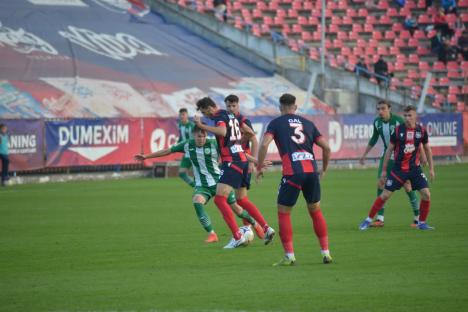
(361, 29)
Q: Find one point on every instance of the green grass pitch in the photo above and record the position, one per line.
(136, 245)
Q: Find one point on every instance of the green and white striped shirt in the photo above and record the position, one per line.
(185, 131)
(204, 161)
(384, 129)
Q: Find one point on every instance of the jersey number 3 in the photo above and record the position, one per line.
(298, 136)
(235, 130)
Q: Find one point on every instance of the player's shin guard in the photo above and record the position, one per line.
(203, 217)
(246, 218)
(187, 179)
(413, 199)
(226, 211)
(382, 210)
(424, 207)
(378, 204)
(285, 231)
(253, 211)
(320, 228)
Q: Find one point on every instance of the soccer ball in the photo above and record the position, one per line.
(246, 230)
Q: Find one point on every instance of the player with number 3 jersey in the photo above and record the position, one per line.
(295, 136)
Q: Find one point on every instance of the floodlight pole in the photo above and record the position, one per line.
(322, 54)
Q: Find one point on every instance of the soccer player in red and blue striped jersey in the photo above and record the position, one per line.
(234, 168)
(295, 136)
(405, 143)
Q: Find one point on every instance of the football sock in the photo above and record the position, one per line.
(381, 212)
(203, 217)
(226, 211)
(378, 204)
(253, 211)
(413, 199)
(187, 179)
(320, 228)
(285, 231)
(246, 218)
(424, 210)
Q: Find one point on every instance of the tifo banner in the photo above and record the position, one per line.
(26, 144)
(159, 134)
(82, 142)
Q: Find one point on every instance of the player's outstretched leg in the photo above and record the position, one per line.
(228, 216)
(378, 204)
(414, 202)
(269, 232)
(286, 236)
(321, 231)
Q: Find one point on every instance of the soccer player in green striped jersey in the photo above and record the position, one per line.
(203, 154)
(185, 133)
(384, 125)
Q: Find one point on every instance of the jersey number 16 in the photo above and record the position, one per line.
(235, 130)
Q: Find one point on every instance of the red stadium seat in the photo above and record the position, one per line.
(413, 43)
(377, 35)
(408, 82)
(419, 34)
(296, 28)
(424, 66)
(454, 90)
(452, 98)
(461, 106)
(357, 28)
(342, 35)
(383, 4)
(338, 44)
(292, 13)
(333, 29)
(405, 34)
(397, 27)
(413, 59)
(424, 19)
(401, 58)
(399, 43)
(371, 19)
(363, 12)
(346, 51)
(412, 74)
(444, 81)
(351, 12)
(336, 20)
(399, 66)
(452, 66)
(382, 50)
(385, 20)
(422, 51)
(347, 20)
(454, 74)
(313, 20)
(438, 66)
(368, 28)
(392, 12)
(394, 51)
(389, 35)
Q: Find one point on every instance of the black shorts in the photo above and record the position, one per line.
(397, 178)
(291, 186)
(246, 182)
(234, 174)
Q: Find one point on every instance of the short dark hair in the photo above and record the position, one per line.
(2, 125)
(231, 98)
(205, 103)
(198, 129)
(409, 108)
(287, 99)
(383, 102)
(183, 110)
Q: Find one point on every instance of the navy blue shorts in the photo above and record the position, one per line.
(397, 178)
(291, 186)
(234, 174)
(246, 182)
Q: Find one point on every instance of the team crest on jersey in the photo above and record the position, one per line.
(410, 135)
(207, 151)
(418, 135)
(401, 135)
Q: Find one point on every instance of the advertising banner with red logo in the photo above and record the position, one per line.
(159, 134)
(25, 143)
(85, 142)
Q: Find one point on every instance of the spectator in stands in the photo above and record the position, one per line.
(447, 52)
(401, 3)
(436, 43)
(361, 69)
(4, 152)
(411, 24)
(220, 9)
(381, 71)
(440, 24)
(450, 6)
(462, 45)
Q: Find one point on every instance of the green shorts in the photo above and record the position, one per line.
(389, 167)
(209, 192)
(185, 163)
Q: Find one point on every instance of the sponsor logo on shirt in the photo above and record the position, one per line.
(236, 148)
(389, 182)
(418, 135)
(299, 156)
(410, 135)
(409, 148)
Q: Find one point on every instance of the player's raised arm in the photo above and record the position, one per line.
(217, 130)
(157, 154)
(325, 153)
